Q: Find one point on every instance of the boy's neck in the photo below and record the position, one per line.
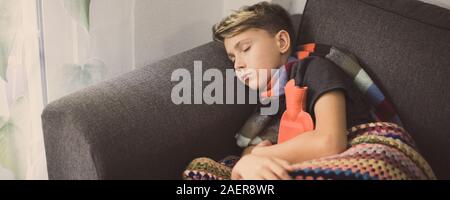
(286, 58)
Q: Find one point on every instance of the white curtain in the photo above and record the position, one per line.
(22, 154)
(84, 42)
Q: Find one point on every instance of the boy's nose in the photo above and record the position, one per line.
(239, 64)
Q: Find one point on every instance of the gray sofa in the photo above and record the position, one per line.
(128, 127)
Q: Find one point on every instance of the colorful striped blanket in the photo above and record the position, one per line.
(382, 109)
(377, 151)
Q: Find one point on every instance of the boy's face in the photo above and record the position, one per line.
(254, 53)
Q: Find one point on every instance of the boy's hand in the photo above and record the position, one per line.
(252, 167)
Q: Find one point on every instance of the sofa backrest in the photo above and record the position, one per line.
(404, 45)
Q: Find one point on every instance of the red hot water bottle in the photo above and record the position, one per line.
(295, 119)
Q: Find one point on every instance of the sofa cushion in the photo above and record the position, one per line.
(404, 45)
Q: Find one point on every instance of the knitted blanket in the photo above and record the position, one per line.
(377, 151)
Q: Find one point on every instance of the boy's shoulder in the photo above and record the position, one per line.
(312, 67)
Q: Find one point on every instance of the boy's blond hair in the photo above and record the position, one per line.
(263, 15)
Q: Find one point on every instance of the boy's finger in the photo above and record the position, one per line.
(235, 175)
(268, 174)
(285, 164)
(279, 170)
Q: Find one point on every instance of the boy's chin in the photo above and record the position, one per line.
(255, 86)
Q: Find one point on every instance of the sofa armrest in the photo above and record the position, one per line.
(128, 127)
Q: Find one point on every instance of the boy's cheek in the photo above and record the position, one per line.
(253, 84)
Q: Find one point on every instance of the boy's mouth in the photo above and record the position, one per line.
(246, 76)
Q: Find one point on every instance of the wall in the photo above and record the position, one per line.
(165, 28)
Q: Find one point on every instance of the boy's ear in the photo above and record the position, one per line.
(283, 41)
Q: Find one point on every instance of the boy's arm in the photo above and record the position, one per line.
(328, 137)
(249, 149)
